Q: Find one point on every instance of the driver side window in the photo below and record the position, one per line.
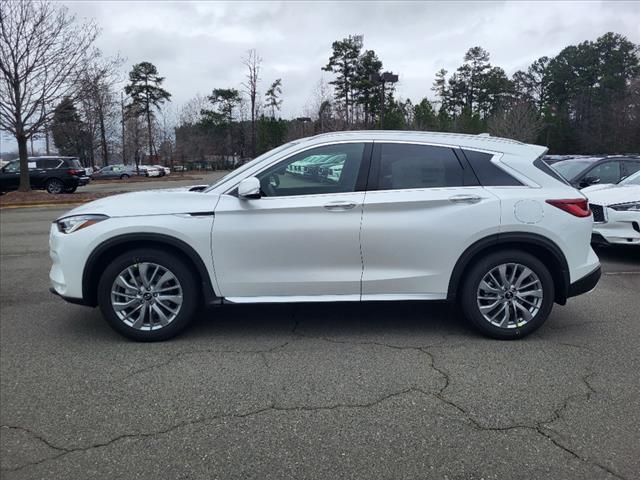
(326, 169)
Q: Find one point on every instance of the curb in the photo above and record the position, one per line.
(34, 205)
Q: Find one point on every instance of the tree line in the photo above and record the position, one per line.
(58, 87)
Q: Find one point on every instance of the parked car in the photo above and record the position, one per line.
(583, 172)
(412, 216)
(150, 171)
(163, 170)
(179, 168)
(616, 211)
(111, 172)
(51, 173)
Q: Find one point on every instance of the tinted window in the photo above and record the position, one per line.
(74, 163)
(607, 172)
(405, 166)
(48, 163)
(489, 174)
(542, 165)
(12, 167)
(327, 169)
(569, 169)
(631, 167)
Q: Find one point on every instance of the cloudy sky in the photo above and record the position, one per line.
(199, 46)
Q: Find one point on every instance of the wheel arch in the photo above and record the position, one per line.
(111, 248)
(543, 248)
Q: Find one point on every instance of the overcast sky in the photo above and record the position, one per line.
(199, 46)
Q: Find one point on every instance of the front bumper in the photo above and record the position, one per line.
(619, 228)
(585, 284)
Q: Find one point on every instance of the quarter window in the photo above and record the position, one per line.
(326, 169)
(406, 166)
(489, 174)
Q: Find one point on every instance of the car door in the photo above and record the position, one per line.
(300, 238)
(10, 176)
(422, 209)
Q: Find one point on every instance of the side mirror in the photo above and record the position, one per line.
(249, 188)
(586, 181)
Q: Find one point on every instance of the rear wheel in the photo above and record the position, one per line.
(54, 186)
(124, 176)
(508, 295)
(148, 295)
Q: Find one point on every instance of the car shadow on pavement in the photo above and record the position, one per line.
(429, 321)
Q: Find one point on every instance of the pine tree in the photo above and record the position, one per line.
(146, 93)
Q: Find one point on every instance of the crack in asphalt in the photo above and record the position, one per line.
(541, 428)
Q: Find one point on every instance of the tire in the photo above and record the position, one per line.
(183, 285)
(512, 266)
(70, 189)
(54, 186)
(124, 176)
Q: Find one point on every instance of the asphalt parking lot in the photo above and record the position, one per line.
(392, 390)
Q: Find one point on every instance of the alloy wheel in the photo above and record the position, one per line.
(510, 295)
(146, 296)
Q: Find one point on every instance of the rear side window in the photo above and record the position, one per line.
(48, 163)
(489, 174)
(406, 166)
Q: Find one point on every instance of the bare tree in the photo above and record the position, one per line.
(518, 120)
(42, 50)
(96, 90)
(252, 61)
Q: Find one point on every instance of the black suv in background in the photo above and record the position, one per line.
(53, 174)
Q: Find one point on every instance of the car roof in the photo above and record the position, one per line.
(482, 141)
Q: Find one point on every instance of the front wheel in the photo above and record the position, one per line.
(508, 295)
(148, 295)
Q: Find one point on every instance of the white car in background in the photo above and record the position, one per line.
(150, 171)
(163, 170)
(616, 211)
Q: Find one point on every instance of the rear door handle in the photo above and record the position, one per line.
(465, 198)
(339, 206)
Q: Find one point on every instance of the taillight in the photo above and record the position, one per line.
(75, 172)
(578, 207)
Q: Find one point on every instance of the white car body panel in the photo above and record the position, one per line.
(411, 238)
(317, 251)
(619, 227)
(391, 245)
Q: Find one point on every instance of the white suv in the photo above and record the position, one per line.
(478, 220)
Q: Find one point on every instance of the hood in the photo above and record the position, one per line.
(616, 194)
(149, 202)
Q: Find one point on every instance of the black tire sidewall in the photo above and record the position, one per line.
(184, 275)
(481, 268)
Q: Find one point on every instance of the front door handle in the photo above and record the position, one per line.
(339, 206)
(465, 198)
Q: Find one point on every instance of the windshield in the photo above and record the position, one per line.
(250, 164)
(631, 179)
(571, 168)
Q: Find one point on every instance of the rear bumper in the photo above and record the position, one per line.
(585, 284)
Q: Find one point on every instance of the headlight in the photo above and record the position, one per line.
(77, 222)
(626, 207)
